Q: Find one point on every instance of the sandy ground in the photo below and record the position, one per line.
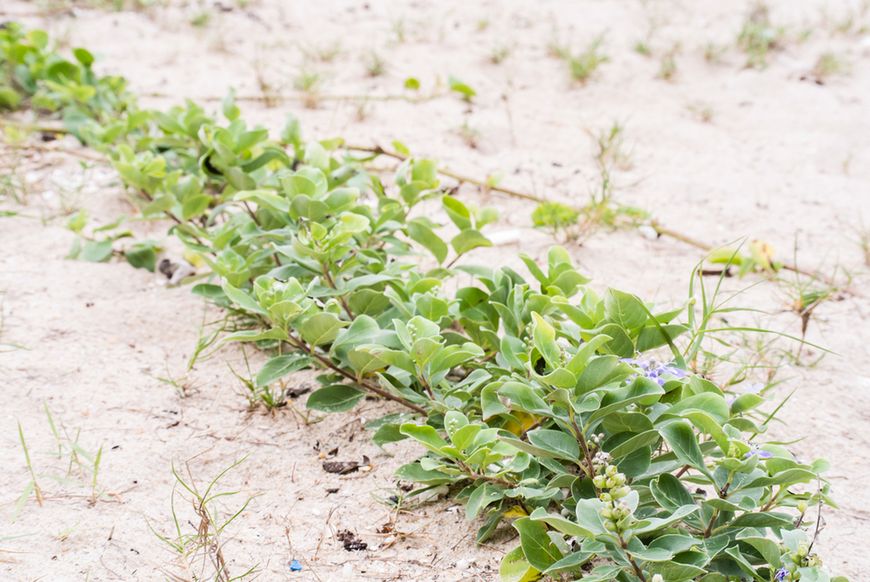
(720, 152)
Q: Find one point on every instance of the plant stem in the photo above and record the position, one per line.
(304, 97)
(634, 566)
(709, 528)
(380, 151)
(331, 282)
(584, 446)
(36, 489)
(299, 344)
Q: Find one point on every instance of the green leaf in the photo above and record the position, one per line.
(242, 299)
(523, 397)
(768, 548)
(256, 335)
(570, 563)
(762, 519)
(83, 56)
(579, 361)
(421, 233)
(468, 240)
(334, 398)
(561, 524)
(464, 90)
(624, 309)
(620, 343)
(561, 444)
(96, 251)
(142, 256)
(684, 443)
(669, 492)
(415, 472)
(713, 404)
(77, 221)
(657, 523)
(425, 435)
(544, 336)
(457, 212)
(537, 546)
(388, 433)
(265, 199)
(676, 572)
(192, 206)
(655, 336)
(280, 366)
(515, 568)
(321, 328)
(230, 109)
(635, 442)
(482, 496)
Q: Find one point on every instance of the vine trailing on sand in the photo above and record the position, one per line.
(538, 399)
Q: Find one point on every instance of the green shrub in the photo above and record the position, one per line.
(533, 397)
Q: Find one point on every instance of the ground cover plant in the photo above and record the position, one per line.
(575, 415)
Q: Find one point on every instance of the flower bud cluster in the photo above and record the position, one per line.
(802, 558)
(793, 561)
(600, 461)
(616, 514)
(597, 439)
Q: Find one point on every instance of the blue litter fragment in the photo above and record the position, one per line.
(295, 566)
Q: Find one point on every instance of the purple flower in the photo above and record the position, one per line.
(755, 451)
(780, 575)
(654, 371)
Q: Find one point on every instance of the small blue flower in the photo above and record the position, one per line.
(780, 575)
(755, 451)
(295, 566)
(654, 371)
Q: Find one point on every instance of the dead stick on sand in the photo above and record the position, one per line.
(659, 229)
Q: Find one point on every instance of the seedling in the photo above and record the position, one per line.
(668, 64)
(828, 65)
(469, 135)
(325, 53)
(499, 53)
(584, 65)
(558, 218)
(308, 82)
(610, 148)
(33, 484)
(805, 295)
(703, 112)
(202, 543)
(759, 37)
(375, 65)
(398, 28)
(465, 91)
(82, 467)
(201, 19)
(714, 53)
